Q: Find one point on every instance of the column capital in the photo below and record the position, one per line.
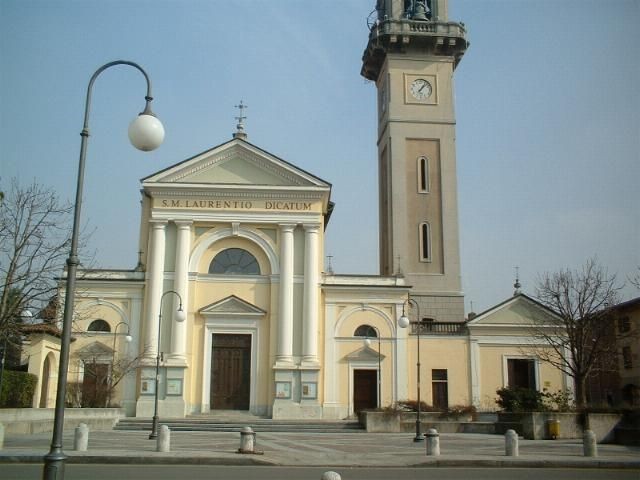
(311, 227)
(158, 223)
(183, 223)
(287, 227)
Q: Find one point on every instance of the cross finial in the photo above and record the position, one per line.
(329, 266)
(517, 285)
(140, 266)
(240, 133)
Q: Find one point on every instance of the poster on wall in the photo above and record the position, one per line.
(174, 386)
(283, 390)
(309, 390)
(148, 386)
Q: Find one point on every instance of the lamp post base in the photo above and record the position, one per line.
(419, 437)
(154, 428)
(54, 465)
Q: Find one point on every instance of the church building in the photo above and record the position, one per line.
(231, 301)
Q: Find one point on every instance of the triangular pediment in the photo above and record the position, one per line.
(520, 310)
(232, 306)
(364, 354)
(95, 350)
(236, 162)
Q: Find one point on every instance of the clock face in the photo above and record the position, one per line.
(420, 89)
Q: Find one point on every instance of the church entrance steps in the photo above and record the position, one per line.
(258, 424)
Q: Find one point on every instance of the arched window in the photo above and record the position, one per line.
(423, 175)
(365, 331)
(99, 325)
(425, 242)
(235, 261)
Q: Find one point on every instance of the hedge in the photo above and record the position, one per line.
(17, 389)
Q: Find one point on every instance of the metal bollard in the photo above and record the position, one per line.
(511, 444)
(1, 436)
(247, 440)
(589, 445)
(433, 442)
(164, 439)
(330, 476)
(81, 438)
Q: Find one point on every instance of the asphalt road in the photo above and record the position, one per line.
(197, 472)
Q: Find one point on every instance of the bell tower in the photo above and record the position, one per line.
(412, 52)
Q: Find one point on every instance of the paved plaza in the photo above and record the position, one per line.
(320, 449)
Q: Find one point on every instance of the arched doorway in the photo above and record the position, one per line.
(44, 382)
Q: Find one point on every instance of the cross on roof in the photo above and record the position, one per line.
(241, 117)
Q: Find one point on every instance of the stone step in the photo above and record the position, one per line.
(257, 424)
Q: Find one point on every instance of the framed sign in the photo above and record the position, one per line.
(174, 386)
(148, 386)
(309, 390)
(283, 390)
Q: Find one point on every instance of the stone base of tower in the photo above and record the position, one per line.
(440, 307)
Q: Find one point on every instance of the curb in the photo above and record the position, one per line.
(252, 460)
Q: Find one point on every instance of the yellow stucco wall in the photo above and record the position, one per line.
(493, 374)
(448, 353)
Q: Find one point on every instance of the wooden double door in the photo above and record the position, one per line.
(230, 371)
(365, 389)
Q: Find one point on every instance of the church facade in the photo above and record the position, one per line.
(231, 302)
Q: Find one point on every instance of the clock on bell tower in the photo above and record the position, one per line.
(412, 52)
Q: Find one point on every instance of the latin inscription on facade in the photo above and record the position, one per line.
(235, 204)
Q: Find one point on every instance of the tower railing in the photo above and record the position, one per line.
(439, 328)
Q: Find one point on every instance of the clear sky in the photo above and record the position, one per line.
(547, 104)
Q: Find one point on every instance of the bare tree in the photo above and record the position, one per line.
(101, 377)
(581, 334)
(34, 240)
(635, 279)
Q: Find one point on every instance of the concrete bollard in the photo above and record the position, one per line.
(330, 476)
(511, 444)
(433, 442)
(164, 439)
(81, 438)
(1, 436)
(589, 445)
(247, 440)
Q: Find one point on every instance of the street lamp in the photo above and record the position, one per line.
(128, 338)
(145, 133)
(404, 322)
(180, 317)
(367, 342)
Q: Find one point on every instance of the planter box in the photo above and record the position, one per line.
(534, 425)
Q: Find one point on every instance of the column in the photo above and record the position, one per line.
(474, 359)
(155, 275)
(284, 353)
(180, 285)
(310, 316)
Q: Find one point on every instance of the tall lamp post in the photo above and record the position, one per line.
(180, 317)
(128, 338)
(145, 133)
(367, 342)
(404, 322)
